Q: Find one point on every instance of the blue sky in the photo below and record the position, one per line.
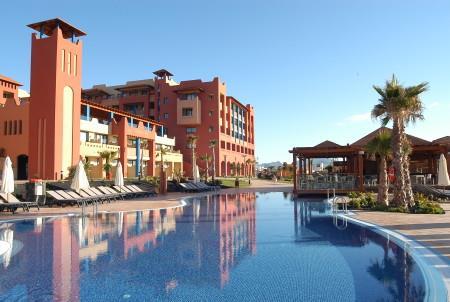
(307, 66)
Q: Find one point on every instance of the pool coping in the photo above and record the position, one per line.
(428, 260)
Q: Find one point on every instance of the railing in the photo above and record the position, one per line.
(330, 181)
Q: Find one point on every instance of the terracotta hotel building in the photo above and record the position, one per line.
(46, 132)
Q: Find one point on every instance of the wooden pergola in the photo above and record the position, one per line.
(352, 160)
(355, 163)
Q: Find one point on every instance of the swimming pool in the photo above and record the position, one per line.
(240, 247)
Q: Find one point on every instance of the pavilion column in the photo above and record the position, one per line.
(123, 142)
(294, 163)
(152, 155)
(361, 170)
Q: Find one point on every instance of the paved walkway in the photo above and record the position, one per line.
(431, 230)
(161, 201)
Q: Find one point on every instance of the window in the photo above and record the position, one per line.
(187, 112)
(69, 62)
(63, 60)
(10, 127)
(84, 136)
(211, 97)
(166, 115)
(20, 127)
(210, 129)
(188, 97)
(191, 130)
(210, 113)
(222, 144)
(165, 100)
(74, 64)
(15, 127)
(5, 128)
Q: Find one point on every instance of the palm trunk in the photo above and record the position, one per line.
(406, 171)
(399, 199)
(207, 171)
(383, 187)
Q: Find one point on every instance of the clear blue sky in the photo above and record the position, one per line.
(307, 66)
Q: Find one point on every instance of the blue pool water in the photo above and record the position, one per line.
(245, 247)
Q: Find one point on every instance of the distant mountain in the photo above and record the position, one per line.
(275, 164)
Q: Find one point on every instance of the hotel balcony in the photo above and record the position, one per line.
(91, 149)
(94, 126)
(193, 119)
(131, 153)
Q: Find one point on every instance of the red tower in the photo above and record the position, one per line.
(55, 99)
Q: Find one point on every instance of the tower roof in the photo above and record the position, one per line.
(162, 73)
(48, 26)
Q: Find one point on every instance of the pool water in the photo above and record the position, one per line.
(239, 247)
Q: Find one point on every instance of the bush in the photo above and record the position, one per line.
(360, 200)
(367, 201)
(425, 206)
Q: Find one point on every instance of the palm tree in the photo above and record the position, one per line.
(284, 169)
(108, 156)
(162, 151)
(233, 168)
(401, 106)
(192, 144)
(381, 146)
(212, 145)
(206, 158)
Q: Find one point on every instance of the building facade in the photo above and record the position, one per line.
(190, 108)
(47, 134)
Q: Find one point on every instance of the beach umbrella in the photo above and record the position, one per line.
(80, 180)
(7, 177)
(443, 179)
(197, 174)
(6, 238)
(118, 179)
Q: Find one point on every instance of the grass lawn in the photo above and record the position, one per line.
(229, 182)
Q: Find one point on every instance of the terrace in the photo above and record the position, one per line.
(352, 169)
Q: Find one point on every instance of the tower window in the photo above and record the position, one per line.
(63, 60)
(69, 63)
(74, 64)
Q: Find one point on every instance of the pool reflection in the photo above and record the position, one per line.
(394, 269)
(196, 244)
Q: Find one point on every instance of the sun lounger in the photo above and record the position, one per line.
(205, 186)
(94, 198)
(11, 199)
(139, 190)
(190, 187)
(122, 190)
(86, 199)
(199, 186)
(60, 199)
(95, 193)
(106, 190)
(135, 191)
